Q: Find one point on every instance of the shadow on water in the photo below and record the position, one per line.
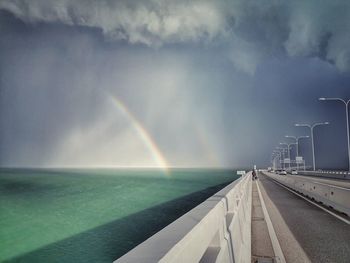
(17, 187)
(112, 240)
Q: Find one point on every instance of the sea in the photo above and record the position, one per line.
(94, 215)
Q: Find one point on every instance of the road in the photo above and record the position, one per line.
(305, 232)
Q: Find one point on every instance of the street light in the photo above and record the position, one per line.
(273, 157)
(277, 161)
(282, 150)
(288, 146)
(312, 137)
(277, 155)
(347, 121)
(273, 160)
(297, 138)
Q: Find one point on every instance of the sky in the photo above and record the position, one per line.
(157, 83)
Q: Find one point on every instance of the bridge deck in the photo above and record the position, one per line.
(305, 232)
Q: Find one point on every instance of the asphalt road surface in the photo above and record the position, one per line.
(305, 232)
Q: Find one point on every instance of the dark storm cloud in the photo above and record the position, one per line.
(251, 29)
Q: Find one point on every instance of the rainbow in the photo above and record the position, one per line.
(142, 133)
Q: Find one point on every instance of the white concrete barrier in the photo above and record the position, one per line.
(218, 230)
(327, 174)
(330, 195)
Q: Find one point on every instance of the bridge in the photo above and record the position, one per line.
(277, 218)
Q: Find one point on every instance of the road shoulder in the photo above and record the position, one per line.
(291, 249)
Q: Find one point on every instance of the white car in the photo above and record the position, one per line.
(283, 172)
(295, 172)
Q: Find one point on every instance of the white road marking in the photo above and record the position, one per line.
(328, 211)
(275, 244)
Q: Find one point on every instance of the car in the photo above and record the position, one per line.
(283, 172)
(294, 172)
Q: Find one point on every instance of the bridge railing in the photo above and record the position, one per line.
(218, 230)
(330, 195)
(329, 174)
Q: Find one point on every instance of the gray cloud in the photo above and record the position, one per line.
(250, 30)
(148, 22)
(317, 25)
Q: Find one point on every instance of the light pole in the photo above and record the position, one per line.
(282, 150)
(273, 161)
(288, 147)
(297, 138)
(278, 155)
(277, 161)
(347, 122)
(312, 126)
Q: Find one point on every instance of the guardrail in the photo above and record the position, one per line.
(330, 195)
(328, 174)
(218, 230)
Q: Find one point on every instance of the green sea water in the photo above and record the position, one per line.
(94, 215)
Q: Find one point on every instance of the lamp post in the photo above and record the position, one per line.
(347, 122)
(277, 161)
(288, 147)
(282, 150)
(273, 161)
(278, 155)
(297, 138)
(311, 127)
